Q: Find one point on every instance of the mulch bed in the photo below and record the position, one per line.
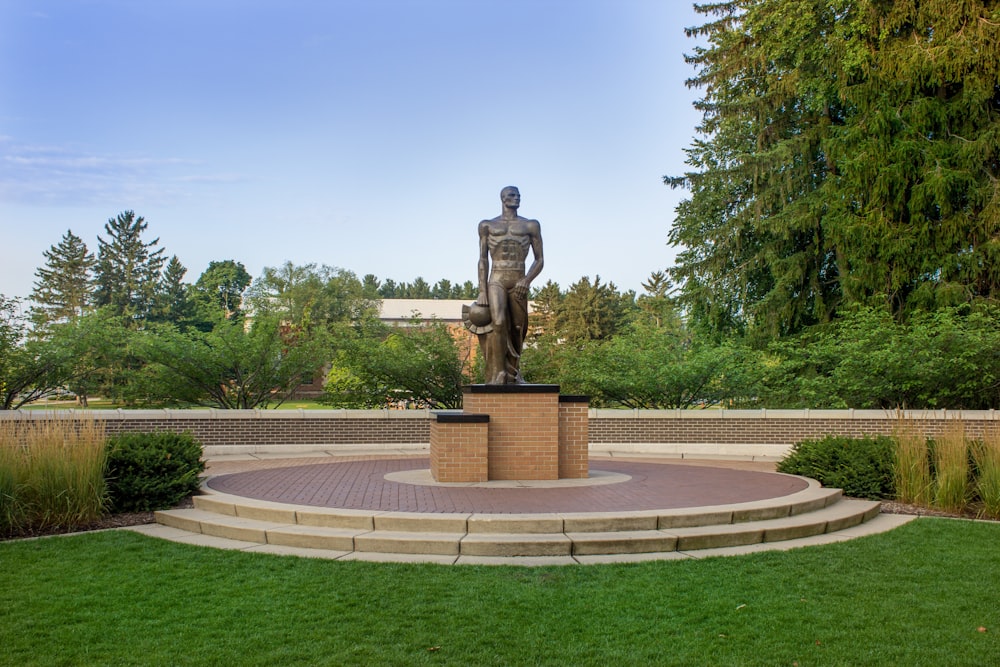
(890, 507)
(123, 520)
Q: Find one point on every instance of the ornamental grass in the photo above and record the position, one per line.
(51, 474)
(912, 470)
(986, 454)
(951, 469)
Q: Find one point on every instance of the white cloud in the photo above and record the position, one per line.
(54, 175)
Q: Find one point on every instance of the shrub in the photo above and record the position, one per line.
(51, 474)
(151, 471)
(862, 467)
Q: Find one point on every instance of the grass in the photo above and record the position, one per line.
(912, 473)
(916, 595)
(51, 474)
(986, 454)
(951, 469)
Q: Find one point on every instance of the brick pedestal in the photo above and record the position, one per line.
(458, 448)
(531, 433)
(574, 437)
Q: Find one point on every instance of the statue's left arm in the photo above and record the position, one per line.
(535, 235)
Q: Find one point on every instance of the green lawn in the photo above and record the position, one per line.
(914, 596)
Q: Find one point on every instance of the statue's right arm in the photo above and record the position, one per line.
(484, 262)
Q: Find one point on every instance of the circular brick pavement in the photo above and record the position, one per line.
(362, 485)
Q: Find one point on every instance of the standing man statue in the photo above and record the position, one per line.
(503, 287)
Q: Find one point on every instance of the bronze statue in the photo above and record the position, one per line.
(503, 288)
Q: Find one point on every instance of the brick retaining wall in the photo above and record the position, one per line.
(254, 429)
(770, 426)
(728, 433)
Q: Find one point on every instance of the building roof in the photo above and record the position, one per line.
(402, 310)
(443, 310)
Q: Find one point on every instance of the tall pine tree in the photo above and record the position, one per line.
(849, 155)
(921, 155)
(128, 268)
(63, 289)
(173, 300)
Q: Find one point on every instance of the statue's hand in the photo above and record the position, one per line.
(482, 300)
(520, 290)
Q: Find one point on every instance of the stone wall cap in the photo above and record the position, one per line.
(460, 418)
(608, 413)
(421, 413)
(574, 398)
(711, 414)
(511, 389)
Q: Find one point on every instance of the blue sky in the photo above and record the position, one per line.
(371, 135)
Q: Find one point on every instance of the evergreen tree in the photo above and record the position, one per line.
(468, 291)
(63, 289)
(173, 301)
(592, 311)
(656, 302)
(442, 289)
(389, 289)
(921, 155)
(418, 289)
(545, 304)
(849, 155)
(370, 286)
(128, 269)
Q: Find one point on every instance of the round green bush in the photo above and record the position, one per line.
(862, 467)
(152, 471)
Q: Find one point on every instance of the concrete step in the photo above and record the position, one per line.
(491, 536)
(809, 500)
(838, 516)
(879, 524)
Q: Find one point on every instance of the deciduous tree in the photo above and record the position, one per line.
(308, 296)
(228, 367)
(220, 288)
(416, 366)
(30, 368)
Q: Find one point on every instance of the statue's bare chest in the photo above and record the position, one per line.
(509, 235)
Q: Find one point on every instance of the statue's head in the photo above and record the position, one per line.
(511, 194)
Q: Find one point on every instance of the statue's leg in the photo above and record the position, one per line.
(518, 309)
(498, 339)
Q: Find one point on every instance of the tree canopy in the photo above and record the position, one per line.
(310, 296)
(221, 286)
(420, 366)
(231, 366)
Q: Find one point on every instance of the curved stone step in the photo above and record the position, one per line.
(443, 536)
(809, 500)
(840, 515)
